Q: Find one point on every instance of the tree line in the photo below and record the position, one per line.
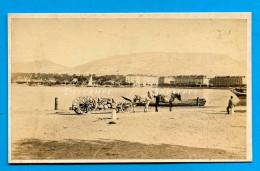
(68, 78)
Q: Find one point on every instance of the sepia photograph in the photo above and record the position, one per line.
(129, 87)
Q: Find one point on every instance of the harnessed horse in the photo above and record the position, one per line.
(140, 99)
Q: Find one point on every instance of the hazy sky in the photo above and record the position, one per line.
(72, 42)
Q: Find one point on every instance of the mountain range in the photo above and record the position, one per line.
(149, 63)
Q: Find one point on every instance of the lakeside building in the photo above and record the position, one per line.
(192, 80)
(228, 81)
(166, 80)
(202, 80)
(134, 79)
(142, 80)
(185, 80)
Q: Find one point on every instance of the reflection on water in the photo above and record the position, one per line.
(42, 97)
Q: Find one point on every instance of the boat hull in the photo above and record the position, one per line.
(189, 102)
(241, 96)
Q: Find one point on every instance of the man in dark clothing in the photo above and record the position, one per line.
(157, 100)
(171, 101)
(231, 104)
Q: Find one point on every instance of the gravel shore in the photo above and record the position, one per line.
(187, 132)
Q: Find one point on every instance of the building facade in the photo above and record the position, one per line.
(192, 80)
(166, 80)
(142, 80)
(228, 81)
(201, 80)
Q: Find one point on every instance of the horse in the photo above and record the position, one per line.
(172, 98)
(147, 99)
(164, 99)
(168, 99)
(140, 99)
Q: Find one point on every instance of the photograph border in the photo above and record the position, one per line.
(220, 15)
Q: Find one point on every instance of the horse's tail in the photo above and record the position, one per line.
(127, 99)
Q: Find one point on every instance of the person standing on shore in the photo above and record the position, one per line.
(231, 104)
(171, 101)
(147, 101)
(157, 99)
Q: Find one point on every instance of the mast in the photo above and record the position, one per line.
(29, 78)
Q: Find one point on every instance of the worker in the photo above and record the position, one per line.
(231, 104)
(157, 100)
(171, 101)
(147, 101)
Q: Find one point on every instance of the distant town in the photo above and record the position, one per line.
(52, 79)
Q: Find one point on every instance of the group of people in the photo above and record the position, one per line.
(158, 98)
(161, 98)
(231, 103)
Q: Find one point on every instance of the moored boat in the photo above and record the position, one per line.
(241, 93)
(188, 102)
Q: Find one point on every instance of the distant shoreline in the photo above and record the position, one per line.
(123, 86)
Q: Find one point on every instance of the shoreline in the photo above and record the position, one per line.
(106, 86)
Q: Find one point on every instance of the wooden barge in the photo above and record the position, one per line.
(176, 103)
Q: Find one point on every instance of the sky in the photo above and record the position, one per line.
(76, 41)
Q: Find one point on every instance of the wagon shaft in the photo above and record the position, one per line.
(126, 106)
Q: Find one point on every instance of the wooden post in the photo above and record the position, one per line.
(113, 117)
(56, 103)
(232, 110)
(198, 101)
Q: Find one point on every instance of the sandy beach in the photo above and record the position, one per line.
(186, 132)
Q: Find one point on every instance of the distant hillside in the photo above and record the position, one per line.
(40, 66)
(160, 64)
(164, 64)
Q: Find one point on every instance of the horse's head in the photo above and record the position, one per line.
(176, 95)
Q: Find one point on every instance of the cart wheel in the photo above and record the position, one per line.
(126, 107)
(83, 105)
(75, 105)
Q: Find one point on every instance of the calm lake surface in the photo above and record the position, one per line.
(42, 97)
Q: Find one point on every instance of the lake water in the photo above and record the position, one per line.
(42, 97)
